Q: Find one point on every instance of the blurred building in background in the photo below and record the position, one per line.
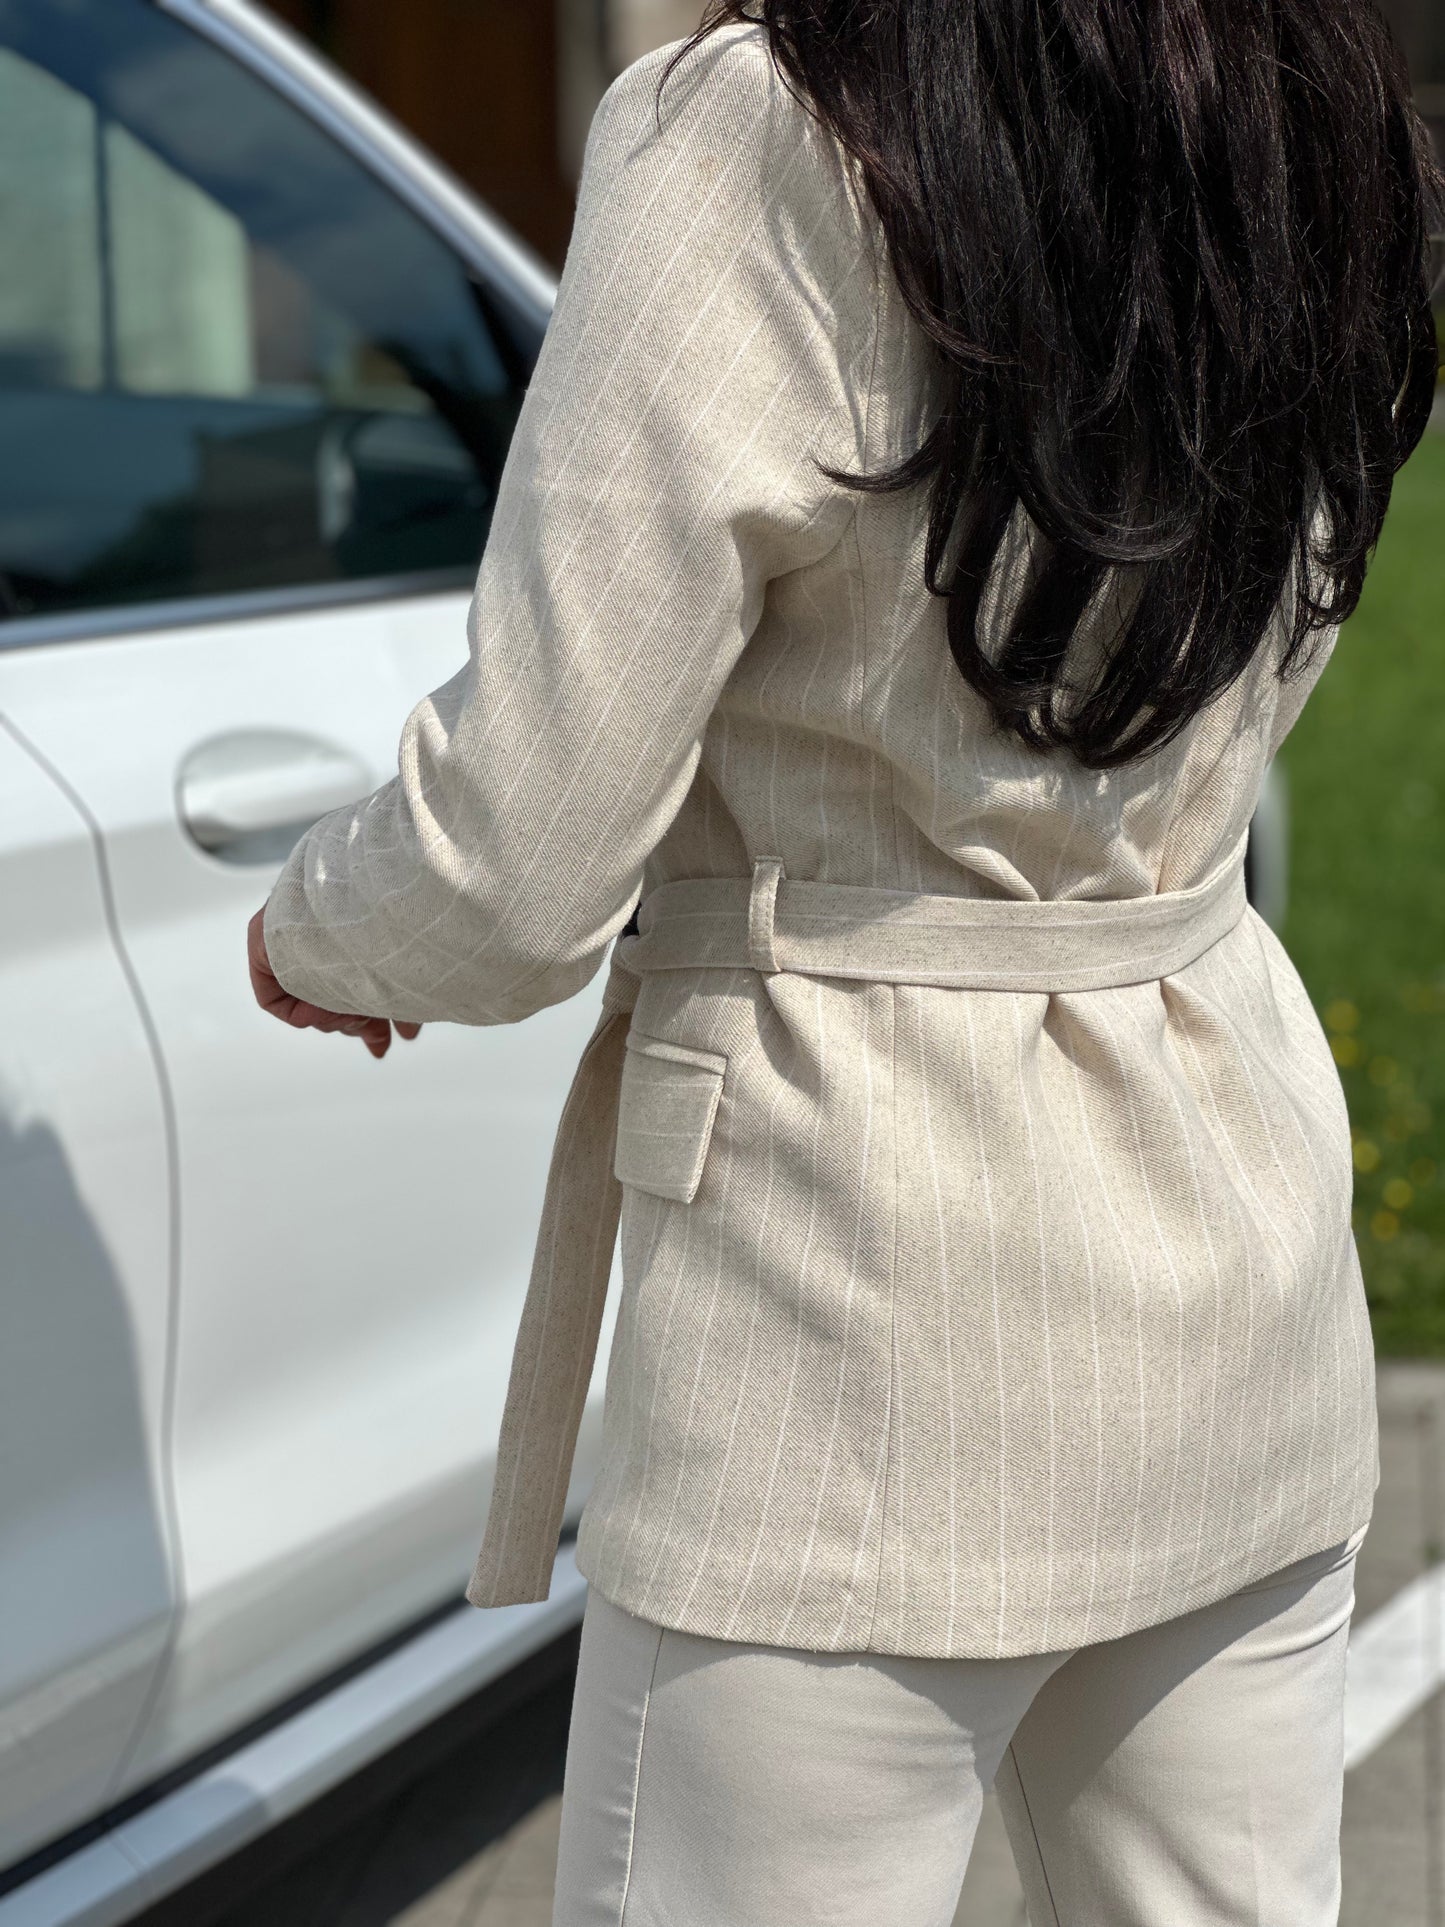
(503, 90)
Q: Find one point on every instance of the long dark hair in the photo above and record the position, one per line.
(1173, 258)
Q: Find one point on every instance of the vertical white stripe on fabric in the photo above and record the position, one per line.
(826, 651)
(1187, 1138)
(1364, 1366)
(1249, 1224)
(946, 1282)
(1105, 1191)
(700, 1365)
(1288, 1095)
(851, 1594)
(1015, 1006)
(850, 1286)
(1163, 1243)
(1130, 1011)
(941, 714)
(798, 1331)
(982, 1142)
(1232, 1030)
(1063, 1147)
(764, 1227)
(642, 1476)
(1066, 841)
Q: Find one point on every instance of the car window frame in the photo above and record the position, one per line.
(490, 255)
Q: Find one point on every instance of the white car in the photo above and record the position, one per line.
(259, 361)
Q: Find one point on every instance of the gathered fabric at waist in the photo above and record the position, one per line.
(772, 924)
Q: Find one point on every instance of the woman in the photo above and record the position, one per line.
(964, 425)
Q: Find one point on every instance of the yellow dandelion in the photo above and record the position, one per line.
(1398, 1193)
(1346, 1050)
(1367, 1154)
(1341, 1014)
(1385, 1225)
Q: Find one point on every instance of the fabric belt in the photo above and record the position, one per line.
(768, 923)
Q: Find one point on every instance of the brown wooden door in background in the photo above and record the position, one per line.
(476, 80)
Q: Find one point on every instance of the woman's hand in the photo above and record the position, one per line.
(271, 995)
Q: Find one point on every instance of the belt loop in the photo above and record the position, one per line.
(762, 903)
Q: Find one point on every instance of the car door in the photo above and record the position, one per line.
(255, 417)
(86, 1582)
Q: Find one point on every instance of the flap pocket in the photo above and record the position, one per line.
(665, 1113)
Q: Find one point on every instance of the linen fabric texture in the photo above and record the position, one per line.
(955, 1321)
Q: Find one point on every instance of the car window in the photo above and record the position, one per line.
(230, 358)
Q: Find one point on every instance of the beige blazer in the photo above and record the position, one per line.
(983, 1171)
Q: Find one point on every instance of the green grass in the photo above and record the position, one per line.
(1366, 923)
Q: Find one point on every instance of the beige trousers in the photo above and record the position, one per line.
(1185, 1775)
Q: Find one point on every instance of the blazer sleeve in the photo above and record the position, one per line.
(710, 348)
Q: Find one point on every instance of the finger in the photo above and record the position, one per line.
(269, 994)
(407, 1030)
(266, 990)
(345, 1021)
(312, 1017)
(277, 1001)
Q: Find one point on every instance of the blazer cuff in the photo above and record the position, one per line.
(286, 921)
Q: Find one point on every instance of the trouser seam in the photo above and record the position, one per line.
(637, 1780)
(1038, 1844)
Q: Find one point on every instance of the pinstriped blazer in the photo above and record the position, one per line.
(965, 1321)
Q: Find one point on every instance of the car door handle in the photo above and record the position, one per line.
(247, 796)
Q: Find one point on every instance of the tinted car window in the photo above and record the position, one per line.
(231, 359)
